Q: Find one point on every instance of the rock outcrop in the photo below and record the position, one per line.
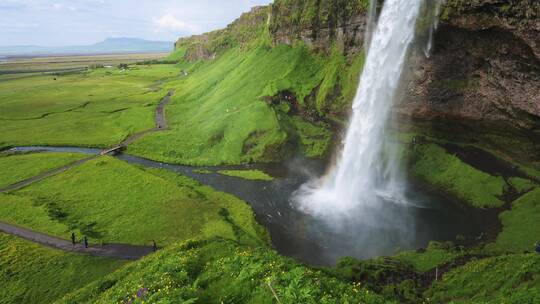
(243, 30)
(485, 66)
(320, 23)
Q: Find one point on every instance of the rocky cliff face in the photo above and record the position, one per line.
(485, 66)
(320, 23)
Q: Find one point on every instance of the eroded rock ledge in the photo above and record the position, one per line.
(485, 66)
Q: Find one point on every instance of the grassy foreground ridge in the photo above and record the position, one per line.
(32, 273)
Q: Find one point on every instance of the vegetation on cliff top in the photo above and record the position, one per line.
(520, 13)
(293, 16)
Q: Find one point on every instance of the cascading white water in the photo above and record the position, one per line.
(367, 171)
(434, 12)
(371, 23)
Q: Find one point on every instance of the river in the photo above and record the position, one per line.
(304, 237)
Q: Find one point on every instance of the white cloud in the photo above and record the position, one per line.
(171, 23)
(71, 22)
(59, 6)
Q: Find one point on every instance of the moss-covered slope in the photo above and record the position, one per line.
(266, 100)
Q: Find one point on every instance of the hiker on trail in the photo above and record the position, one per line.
(538, 248)
(73, 238)
(154, 246)
(85, 241)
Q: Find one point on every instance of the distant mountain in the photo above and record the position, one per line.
(133, 45)
(109, 45)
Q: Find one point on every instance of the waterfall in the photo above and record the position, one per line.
(371, 23)
(367, 171)
(433, 10)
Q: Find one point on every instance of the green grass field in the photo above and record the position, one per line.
(18, 167)
(248, 174)
(447, 172)
(31, 273)
(96, 108)
(80, 61)
(521, 185)
(521, 225)
(35, 214)
(112, 201)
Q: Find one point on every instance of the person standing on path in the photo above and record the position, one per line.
(85, 241)
(154, 245)
(73, 238)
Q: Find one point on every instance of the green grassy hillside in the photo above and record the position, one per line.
(219, 271)
(18, 167)
(251, 121)
(266, 101)
(503, 279)
(112, 201)
(448, 173)
(31, 273)
(521, 228)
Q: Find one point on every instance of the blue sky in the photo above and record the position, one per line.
(76, 22)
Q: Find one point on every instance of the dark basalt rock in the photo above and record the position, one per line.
(320, 23)
(485, 66)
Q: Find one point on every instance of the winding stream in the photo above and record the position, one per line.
(299, 235)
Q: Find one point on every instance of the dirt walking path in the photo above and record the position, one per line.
(160, 122)
(44, 175)
(118, 251)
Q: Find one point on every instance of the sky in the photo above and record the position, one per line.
(82, 22)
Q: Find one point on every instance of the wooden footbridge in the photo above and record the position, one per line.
(160, 125)
(113, 150)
